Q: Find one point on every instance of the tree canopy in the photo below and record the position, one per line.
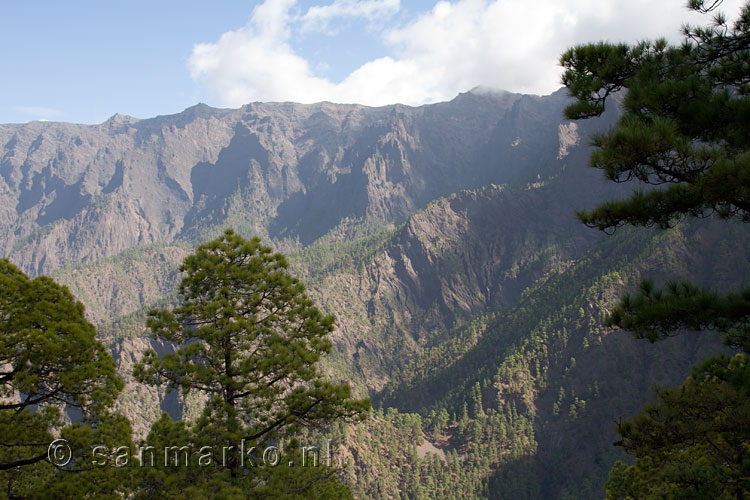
(691, 443)
(249, 341)
(685, 125)
(684, 134)
(51, 362)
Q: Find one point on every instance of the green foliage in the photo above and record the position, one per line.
(685, 130)
(171, 464)
(526, 334)
(50, 361)
(249, 340)
(389, 460)
(133, 324)
(685, 123)
(694, 443)
(654, 314)
(518, 355)
(329, 255)
(48, 350)
(139, 277)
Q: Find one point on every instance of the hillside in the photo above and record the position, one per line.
(73, 193)
(468, 298)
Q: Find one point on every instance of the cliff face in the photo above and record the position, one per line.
(462, 256)
(111, 210)
(74, 193)
(71, 193)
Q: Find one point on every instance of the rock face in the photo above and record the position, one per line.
(461, 256)
(74, 193)
(112, 209)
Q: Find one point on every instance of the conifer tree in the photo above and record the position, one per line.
(685, 133)
(51, 362)
(685, 130)
(249, 340)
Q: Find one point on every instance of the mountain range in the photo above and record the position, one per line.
(469, 299)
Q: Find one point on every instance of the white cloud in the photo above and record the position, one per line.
(319, 17)
(455, 46)
(256, 62)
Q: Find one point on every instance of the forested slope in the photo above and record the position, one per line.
(468, 298)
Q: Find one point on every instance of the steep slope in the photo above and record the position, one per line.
(530, 394)
(328, 168)
(443, 238)
(72, 193)
(289, 172)
(396, 293)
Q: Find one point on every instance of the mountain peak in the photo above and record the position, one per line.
(486, 90)
(119, 119)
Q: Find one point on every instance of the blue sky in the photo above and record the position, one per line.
(83, 61)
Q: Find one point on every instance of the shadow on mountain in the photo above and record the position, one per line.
(213, 184)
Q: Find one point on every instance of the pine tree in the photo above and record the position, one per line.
(693, 442)
(685, 129)
(249, 340)
(685, 132)
(51, 361)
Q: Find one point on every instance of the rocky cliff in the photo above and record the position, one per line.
(74, 193)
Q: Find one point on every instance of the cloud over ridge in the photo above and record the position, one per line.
(431, 57)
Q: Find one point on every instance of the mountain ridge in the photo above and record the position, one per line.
(63, 187)
(443, 238)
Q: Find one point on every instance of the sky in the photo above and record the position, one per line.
(83, 61)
